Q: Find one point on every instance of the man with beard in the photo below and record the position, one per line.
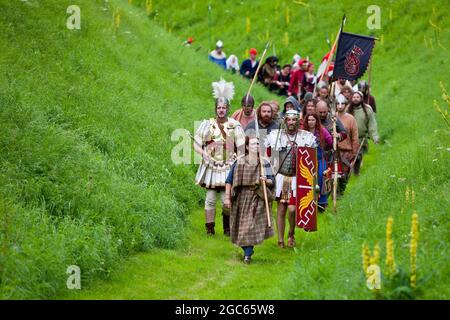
(281, 149)
(220, 141)
(363, 86)
(246, 114)
(326, 120)
(367, 124)
(349, 146)
(265, 121)
(322, 109)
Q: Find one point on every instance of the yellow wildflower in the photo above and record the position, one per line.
(365, 257)
(390, 260)
(117, 18)
(413, 248)
(286, 39)
(148, 6)
(287, 16)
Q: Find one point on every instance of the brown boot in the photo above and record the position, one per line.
(210, 228)
(226, 225)
(291, 240)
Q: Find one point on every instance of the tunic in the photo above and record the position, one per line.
(221, 150)
(279, 146)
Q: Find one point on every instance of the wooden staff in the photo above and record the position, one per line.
(335, 160)
(256, 73)
(261, 164)
(370, 79)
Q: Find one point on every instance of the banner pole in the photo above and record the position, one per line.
(333, 49)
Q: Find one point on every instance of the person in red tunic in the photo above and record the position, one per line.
(297, 77)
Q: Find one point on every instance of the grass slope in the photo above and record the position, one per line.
(65, 92)
(87, 117)
(407, 71)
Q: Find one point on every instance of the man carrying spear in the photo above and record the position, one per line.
(246, 199)
(348, 148)
(248, 191)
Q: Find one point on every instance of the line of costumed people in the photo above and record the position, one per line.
(253, 157)
(231, 169)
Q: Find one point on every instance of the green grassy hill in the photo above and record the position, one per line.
(86, 121)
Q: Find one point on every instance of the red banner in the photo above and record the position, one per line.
(306, 192)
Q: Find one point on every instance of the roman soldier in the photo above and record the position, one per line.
(282, 145)
(220, 141)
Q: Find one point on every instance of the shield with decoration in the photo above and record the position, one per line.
(307, 193)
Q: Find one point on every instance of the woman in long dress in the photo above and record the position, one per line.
(312, 124)
(245, 197)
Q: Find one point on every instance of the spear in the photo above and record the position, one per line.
(256, 73)
(209, 25)
(266, 201)
(328, 41)
(352, 165)
(335, 160)
(370, 80)
(333, 112)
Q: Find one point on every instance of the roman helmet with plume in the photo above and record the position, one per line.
(223, 92)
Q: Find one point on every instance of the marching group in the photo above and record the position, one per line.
(235, 148)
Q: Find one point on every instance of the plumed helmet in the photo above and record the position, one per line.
(223, 92)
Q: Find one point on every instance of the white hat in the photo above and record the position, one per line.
(219, 44)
